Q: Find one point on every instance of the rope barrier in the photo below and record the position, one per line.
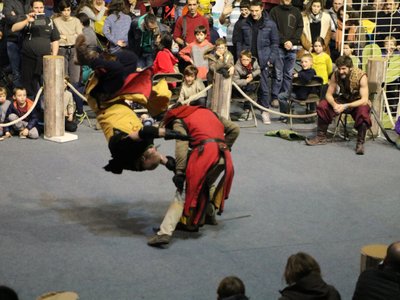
(76, 91)
(270, 110)
(27, 113)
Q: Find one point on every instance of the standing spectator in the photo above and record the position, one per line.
(185, 25)
(14, 12)
(93, 9)
(229, 16)
(389, 23)
(194, 52)
(322, 62)
(141, 38)
(382, 283)
(260, 35)
(303, 276)
(214, 35)
(179, 5)
(231, 288)
(20, 106)
(237, 29)
(40, 37)
(116, 26)
(88, 31)
(290, 26)
(317, 23)
(334, 25)
(69, 28)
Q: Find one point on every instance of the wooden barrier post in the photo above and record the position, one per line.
(54, 116)
(376, 76)
(221, 95)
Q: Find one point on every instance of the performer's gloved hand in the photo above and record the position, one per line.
(175, 135)
(171, 163)
(179, 181)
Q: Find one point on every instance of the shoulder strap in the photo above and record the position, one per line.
(184, 29)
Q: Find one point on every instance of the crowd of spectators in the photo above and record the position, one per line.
(274, 35)
(303, 277)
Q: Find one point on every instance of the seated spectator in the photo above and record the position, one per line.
(303, 276)
(4, 105)
(390, 47)
(231, 288)
(382, 283)
(20, 106)
(194, 52)
(7, 293)
(305, 75)
(69, 111)
(246, 71)
(191, 86)
(165, 61)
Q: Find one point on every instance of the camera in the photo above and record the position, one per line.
(40, 16)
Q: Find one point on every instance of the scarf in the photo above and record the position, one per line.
(315, 18)
(351, 36)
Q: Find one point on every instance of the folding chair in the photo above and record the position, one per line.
(313, 98)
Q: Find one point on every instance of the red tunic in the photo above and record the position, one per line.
(207, 132)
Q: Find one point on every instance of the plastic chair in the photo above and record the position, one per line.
(313, 98)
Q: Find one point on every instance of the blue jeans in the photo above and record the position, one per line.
(264, 91)
(14, 56)
(284, 67)
(283, 101)
(145, 60)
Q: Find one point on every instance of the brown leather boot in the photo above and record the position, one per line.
(320, 138)
(362, 131)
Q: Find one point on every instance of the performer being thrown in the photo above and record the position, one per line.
(114, 82)
(199, 163)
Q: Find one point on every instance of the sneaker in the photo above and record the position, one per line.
(159, 240)
(265, 118)
(275, 103)
(283, 120)
(21, 136)
(81, 117)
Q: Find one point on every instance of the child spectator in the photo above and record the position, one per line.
(191, 86)
(231, 288)
(165, 61)
(322, 62)
(390, 47)
(20, 106)
(88, 31)
(69, 111)
(4, 105)
(305, 75)
(348, 49)
(246, 70)
(220, 60)
(194, 52)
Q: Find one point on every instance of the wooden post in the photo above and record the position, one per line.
(54, 116)
(376, 76)
(221, 95)
(372, 255)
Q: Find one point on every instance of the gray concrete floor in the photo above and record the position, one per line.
(65, 224)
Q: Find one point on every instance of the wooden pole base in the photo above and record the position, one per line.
(66, 137)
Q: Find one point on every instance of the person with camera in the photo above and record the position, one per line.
(352, 98)
(39, 37)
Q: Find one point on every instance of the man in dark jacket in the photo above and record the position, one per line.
(260, 35)
(382, 283)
